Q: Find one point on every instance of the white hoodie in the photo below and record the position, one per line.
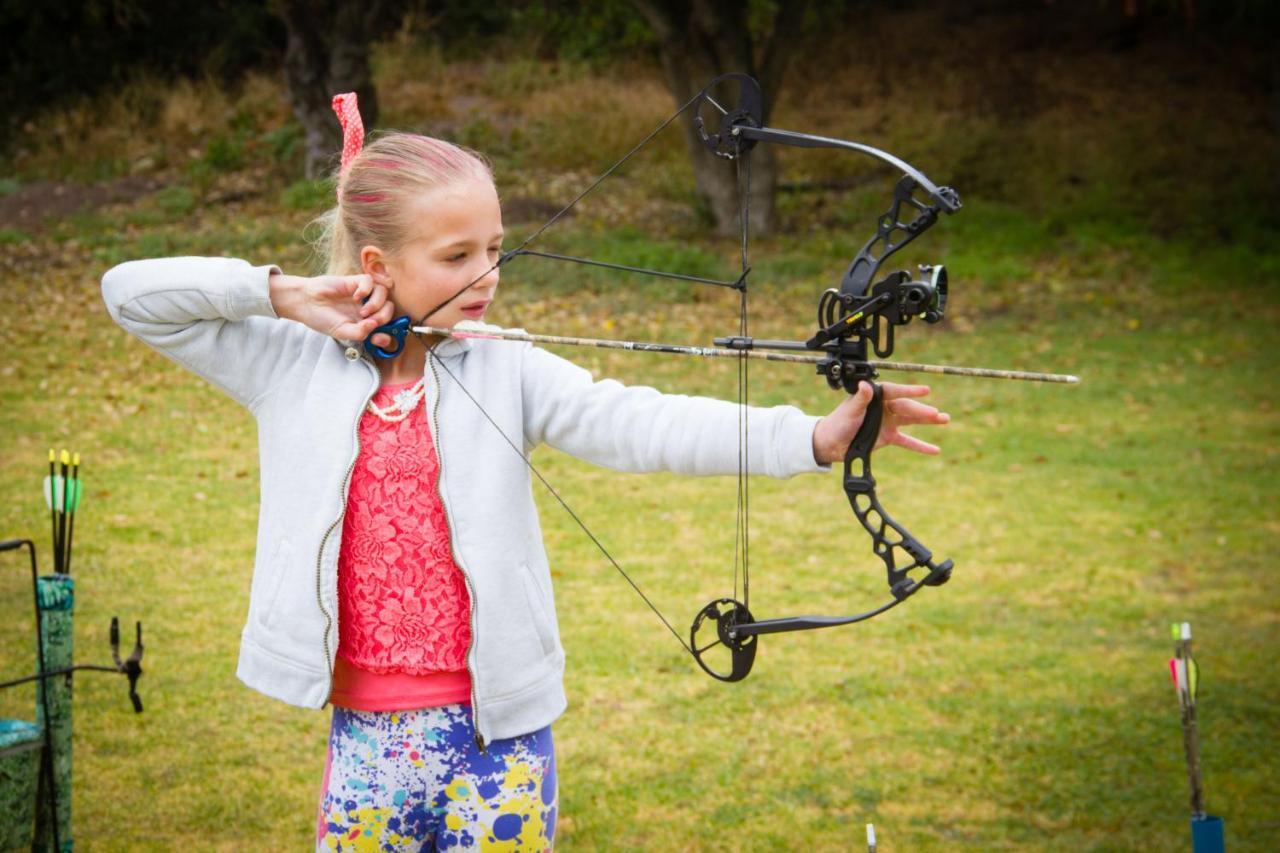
(214, 316)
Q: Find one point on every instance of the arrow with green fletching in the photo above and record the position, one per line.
(62, 492)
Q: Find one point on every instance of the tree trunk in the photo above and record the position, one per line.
(306, 73)
(697, 41)
(327, 53)
(355, 26)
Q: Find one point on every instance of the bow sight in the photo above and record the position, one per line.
(848, 322)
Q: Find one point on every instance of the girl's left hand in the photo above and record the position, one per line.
(833, 434)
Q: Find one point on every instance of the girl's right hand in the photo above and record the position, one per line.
(346, 307)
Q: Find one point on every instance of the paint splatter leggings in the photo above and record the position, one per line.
(414, 780)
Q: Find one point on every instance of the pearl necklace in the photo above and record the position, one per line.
(405, 402)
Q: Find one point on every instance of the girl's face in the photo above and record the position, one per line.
(455, 238)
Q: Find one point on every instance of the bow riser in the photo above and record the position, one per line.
(893, 234)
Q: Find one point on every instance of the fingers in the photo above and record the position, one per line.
(902, 410)
(895, 391)
(358, 287)
(852, 408)
(370, 295)
(376, 308)
(891, 391)
(910, 442)
(911, 412)
(369, 324)
(361, 329)
(833, 433)
(899, 404)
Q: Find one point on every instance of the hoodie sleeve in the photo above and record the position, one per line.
(636, 428)
(211, 315)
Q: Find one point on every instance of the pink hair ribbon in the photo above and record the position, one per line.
(348, 113)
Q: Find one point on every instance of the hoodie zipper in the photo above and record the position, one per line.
(331, 619)
(466, 578)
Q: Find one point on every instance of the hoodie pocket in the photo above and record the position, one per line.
(543, 623)
(273, 584)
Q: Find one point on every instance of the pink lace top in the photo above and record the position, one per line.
(403, 608)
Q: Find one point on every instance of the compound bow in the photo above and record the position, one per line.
(852, 320)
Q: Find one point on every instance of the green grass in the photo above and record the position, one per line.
(1025, 704)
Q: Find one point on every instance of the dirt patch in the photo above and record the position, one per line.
(28, 207)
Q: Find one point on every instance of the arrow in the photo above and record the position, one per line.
(51, 486)
(65, 460)
(74, 489)
(1185, 678)
(62, 492)
(483, 331)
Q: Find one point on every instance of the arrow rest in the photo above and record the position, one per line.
(848, 322)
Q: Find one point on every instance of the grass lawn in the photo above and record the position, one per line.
(1025, 705)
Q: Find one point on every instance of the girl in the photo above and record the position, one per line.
(400, 572)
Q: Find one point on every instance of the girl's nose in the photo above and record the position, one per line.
(489, 278)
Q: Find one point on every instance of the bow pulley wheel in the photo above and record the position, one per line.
(716, 644)
(727, 102)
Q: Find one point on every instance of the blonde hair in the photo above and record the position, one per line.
(375, 194)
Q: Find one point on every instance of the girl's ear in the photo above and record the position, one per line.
(374, 263)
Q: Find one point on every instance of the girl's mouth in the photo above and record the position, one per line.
(475, 310)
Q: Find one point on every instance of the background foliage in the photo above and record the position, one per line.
(59, 52)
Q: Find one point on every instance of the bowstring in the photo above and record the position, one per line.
(742, 539)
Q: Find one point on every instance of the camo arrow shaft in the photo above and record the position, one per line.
(726, 352)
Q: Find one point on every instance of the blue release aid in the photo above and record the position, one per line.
(398, 329)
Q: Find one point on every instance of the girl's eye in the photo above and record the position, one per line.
(458, 257)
